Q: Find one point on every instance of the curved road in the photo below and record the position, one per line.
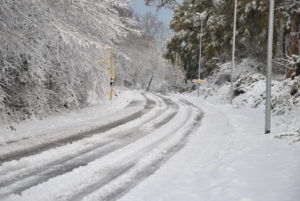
(101, 163)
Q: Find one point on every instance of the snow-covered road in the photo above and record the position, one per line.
(97, 159)
(149, 147)
(228, 158)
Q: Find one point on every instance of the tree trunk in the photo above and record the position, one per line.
(293, 49)
(294, 43)
(284, 35)
(149, 84)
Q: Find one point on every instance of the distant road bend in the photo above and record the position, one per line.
(101, 163)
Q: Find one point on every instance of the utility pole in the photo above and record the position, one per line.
(200, 55)
(233, 52)
(269, 69)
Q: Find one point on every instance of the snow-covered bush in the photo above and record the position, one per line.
(246, 83)
(250, 88)
(295, 91)
(222, 78)
(250, 91)
(50, 53)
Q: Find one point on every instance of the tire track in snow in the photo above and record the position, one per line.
(15, 155)
(136, 174)
(125, 173)
(8, 168)
(132, 103)
(64, 165)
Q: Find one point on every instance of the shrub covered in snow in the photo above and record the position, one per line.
(250, 87)
(222, 78)
(250, 91)
(295, 91)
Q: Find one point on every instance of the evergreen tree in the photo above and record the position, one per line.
(185, 42)
(252, 28)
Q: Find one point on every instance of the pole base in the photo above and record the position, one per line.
(267, 131)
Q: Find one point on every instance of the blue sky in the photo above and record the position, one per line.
(164, 15)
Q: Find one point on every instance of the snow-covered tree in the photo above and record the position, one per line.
(252, 27)
(291, 10)
(153, 29)
(51, 50)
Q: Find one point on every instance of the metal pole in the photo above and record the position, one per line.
(298, 42)
(200, 56)
(269, 69)
(233, 52)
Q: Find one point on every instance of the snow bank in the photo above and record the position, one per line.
(249, 92)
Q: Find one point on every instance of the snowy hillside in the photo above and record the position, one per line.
(249, 92)
(51, 50)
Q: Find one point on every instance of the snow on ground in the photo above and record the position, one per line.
(105, 176)
(250, 86)
(228, 158)
(76, 121)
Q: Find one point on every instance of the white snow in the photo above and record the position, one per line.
(73, 122)
(142, 154)
(228, 158)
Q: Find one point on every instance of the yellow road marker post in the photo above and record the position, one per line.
(111, 68)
